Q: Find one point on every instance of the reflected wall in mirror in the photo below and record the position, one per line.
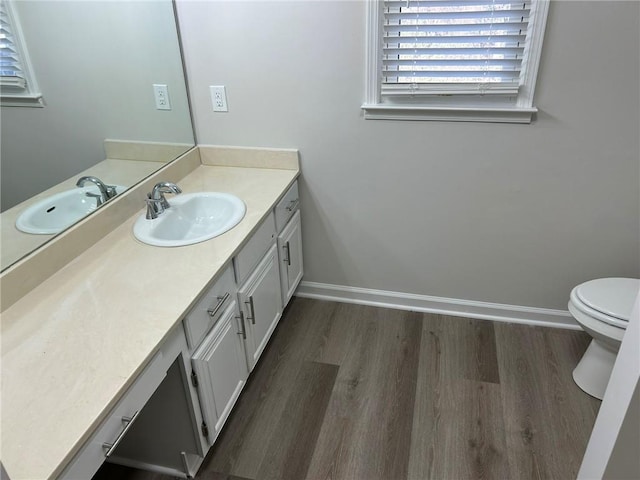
(96, 64)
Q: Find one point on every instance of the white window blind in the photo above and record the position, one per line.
(454, 46)
(453, 60)
(12, 73)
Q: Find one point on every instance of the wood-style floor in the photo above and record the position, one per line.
(362, 393)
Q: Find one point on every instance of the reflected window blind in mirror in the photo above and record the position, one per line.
(17, 85)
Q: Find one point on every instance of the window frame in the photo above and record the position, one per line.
(493, 108)
(30, 96)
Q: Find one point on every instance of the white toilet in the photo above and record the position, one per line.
(602, 307)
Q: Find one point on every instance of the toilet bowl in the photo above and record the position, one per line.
(602, 307)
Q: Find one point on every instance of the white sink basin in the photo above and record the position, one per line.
(192, 218)
(57, 212)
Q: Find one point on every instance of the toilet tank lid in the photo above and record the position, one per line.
(611, 296)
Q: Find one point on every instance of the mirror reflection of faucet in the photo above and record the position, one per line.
(107, 192)
(156, 203)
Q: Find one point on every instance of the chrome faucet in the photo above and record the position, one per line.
(156, 203)
(107, 192)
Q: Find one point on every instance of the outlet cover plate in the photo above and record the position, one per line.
(218, 98)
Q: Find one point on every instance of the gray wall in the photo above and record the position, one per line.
(95, 63)
(514, 214)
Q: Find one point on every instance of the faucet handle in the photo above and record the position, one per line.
(111, 191)
(154, 207)
(96, 196)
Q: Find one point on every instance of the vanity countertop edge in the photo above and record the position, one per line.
(72, 346)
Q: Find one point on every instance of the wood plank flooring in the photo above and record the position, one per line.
(362, 393)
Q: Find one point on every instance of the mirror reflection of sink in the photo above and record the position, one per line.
(57, 212)
(192, 218)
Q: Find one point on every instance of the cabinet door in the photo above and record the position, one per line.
(290, 249)
(221, 369)
(261, 304)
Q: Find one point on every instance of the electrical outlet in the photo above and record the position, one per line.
(218, 98)
(161, 95)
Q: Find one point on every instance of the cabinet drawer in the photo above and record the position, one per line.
(88, 460)
(255, 249)
(207, 311)
(287, 206)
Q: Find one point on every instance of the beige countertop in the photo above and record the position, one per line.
(72, 346)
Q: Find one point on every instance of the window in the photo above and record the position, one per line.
(17, 84)
(469, 60)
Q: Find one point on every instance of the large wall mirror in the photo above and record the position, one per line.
(95, 64)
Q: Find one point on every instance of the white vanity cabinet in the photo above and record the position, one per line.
(261, 303)
(216, 334)
(208, 309)
(259, 295)
(290, 250)
(289, 242)
(191, 385)
(221, 369)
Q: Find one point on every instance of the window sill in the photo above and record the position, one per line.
(449, 114)
(31, 100)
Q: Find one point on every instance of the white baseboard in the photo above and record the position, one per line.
(447, 306)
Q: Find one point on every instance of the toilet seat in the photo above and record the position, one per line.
(605, 332)
(609, 300)
(596, 315)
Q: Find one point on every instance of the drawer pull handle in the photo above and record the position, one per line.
(244, 330)
(112, 446)
(293, 205)
(212, 311)
(287, 259)
(253, 312)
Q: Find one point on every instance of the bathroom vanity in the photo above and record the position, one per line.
(136, 354)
